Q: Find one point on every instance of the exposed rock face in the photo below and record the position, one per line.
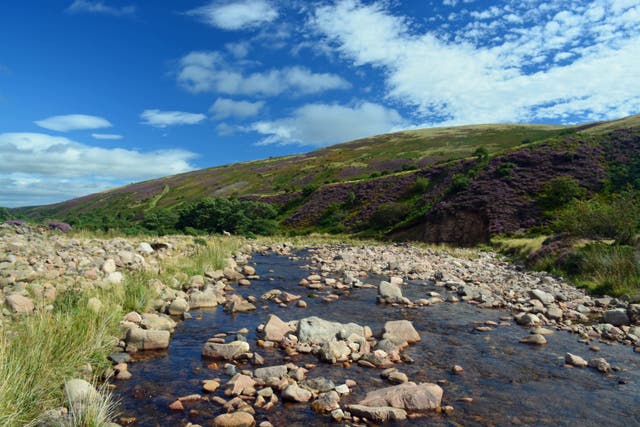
(408, 396)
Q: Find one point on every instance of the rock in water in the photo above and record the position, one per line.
(225, 351)
(235, 419)
(400, 332)
(617, 317)
(409, 396)
(534, 339)
(378, 414)
(573, 360)
(389, 293)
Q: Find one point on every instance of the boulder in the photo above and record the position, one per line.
(400, 332)
(295, 393)
(19, 304)
(334, 350)
(79, 392)
(148, 339)
(573, 360)
(234, 419)
(238, 384)
(534, 339)
(263, 374)
(389, 293)
(208, 298)
(378, 414)
(616, 317)
(326, 402)
(543, 297)
(158, 322)
(633, 313)
(275, 329)
(178, 306)
(229, 351)
(408, 396)
(315, 330)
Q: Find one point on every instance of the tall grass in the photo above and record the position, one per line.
(38, 353)
(208, 254)
(603, 268)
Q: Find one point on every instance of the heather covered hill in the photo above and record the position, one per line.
(456, 185)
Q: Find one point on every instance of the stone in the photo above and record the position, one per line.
(19, 304)
(234, 419)
(145, 248)
(326, 402)
(204, 299)
(210, 385)
(573, 360)
(94, 305)
(238, 384)
(229, 351)
(616, 317)
(267, 372)
(148, 339)
(315, 330)
(176, 406)
(528, 319)
(389, 293)
(178, 306)
(248, 270)
(79, 392)
(109, 266)
(295, 393)
(158, 322)
(275, 329)
(114, 278)
(633, 312)
(600, 364)
(542, 296)
(534, 339)
(334, 350)
(400, 332)
(379, 414)
(409, 396)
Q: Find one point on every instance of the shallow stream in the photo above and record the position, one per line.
(510, 383)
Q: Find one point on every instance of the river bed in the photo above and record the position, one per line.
(509, 383)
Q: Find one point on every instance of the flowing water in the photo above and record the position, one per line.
(510, 383)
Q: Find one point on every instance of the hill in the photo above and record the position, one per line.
(458, 184)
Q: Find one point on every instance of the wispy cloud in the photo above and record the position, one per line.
(37, 168)
(100, 7)
(224, 108)
(207, 71)
(325, 124)
(106, 136)
(162, 119)
(235, 15)
(499, 66)
(73, 122)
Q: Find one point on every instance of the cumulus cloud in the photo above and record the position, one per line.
(162, 119)
(106, 136)
(89, 6)
(73, 122)
(206, 71)
(325, 124)
(223, 108)
(235, 15)
(38, 168)
(499, 67)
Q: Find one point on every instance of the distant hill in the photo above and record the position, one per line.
(426, 184)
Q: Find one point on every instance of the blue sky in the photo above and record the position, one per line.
(97, 94)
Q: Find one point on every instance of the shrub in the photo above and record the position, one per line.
(481, 153)
(560, 191)
(388, 215)
(459, 183)
(505, 168)
(616, 219)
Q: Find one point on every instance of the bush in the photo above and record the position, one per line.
(481, 153)
(234, 216)
(560, 191)
(388, 215)
(616, 219)
(505, 168)
(459, 183)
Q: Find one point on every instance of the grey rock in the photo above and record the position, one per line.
(542, 296)
(400, 332)
(225, 351)
(148, 339)
(409, 396)
(314, 330)
(379, 414)
(616, 317)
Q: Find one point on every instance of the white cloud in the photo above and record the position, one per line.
(73, 122)
(106, 136)
(239, 50)
(162, 119)
(90, 6)
(326, 124)
(499, 68)
(37, 168)
(224, 108)
(236, 15)
(209, 72)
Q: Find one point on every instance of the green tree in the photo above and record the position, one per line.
(560, 191)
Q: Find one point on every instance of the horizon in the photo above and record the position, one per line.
(106, 93)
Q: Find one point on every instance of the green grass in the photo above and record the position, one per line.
(518, 247)
(41, 351)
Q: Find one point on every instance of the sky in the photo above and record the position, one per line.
(96, 94)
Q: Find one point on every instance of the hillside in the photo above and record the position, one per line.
(419, 184)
